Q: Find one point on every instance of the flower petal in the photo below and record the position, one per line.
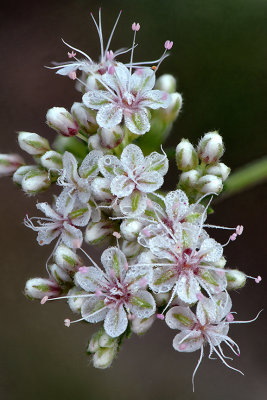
(206, 311)
(94, 309)
(69, 167)
(177, 205)
(71, 236)
(137, 122)
(80, 214)
(163, 279)
(142, 304)
(181, 318)
(89, 167)
(211, 250)
(109, 116)
(138, 276)
(110, 166)
(149, 182)
(192, 343)
(46, 236)
(114, 259)
(155, 99)
(188, 287)
(48, 211)
(132, 157)
(119, 80)
(116, 321)
(91, 280)
(157, 162)
(134, 205)
(96, 99)
(121, 186)
(142, 80)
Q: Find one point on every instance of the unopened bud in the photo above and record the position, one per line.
(171, 112)
(32, 143)
(189, 179)
(186, 156)
(35, 181)
(91, 83)
(167, 83)
(59, 275)
(59, 119)
(75, 303)
(93, 344)
(210, 148)
(94, 142)
(141, 326)
(96, 232)
(106, 340)
(101, 189)
(85, 118)
(210, 184)
(37, 288)
(221, 263)
(235, 279)
(112, 137)
(131, 249)
(66, 258)
(9, 163)
(51, 160)
(221, 170)
(103, 357)
(130, 229)
(22, 171)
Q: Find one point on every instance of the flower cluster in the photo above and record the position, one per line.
(162, 262)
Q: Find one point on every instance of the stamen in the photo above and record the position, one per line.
(112, 32)
(135, 28)
(168, 45)
(72, 54)
(160, 316)
(72, 75)
(198, 364)
(79, 51)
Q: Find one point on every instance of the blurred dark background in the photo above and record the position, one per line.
(220, 59)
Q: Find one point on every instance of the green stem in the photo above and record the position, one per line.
(246, 177)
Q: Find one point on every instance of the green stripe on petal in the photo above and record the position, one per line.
(138, 302)
(209, 278)
(78, 213)
(183, 319)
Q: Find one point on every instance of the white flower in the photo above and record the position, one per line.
(77, 182)
(126, 96)
(114, 293)
(60, 221)
(209, 326)
(133, 176)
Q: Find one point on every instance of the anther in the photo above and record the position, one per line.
(67, 322)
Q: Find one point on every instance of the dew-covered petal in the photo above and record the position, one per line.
(137, 122)
(46, 236)
(96, 99)
(101, 189)
(119, 80)
(69, 166)
(138, 277)
(66, 200)
(109, 116)
(116, 321)
(195, 214)
(142, 304)
(163, 279)
(211, 250)
(149, 182)
(94, 309)
(214, 281)
(188, 287)
(223, 305)
(80, 214)
(121, 186)
(142, 80)
(89, 167)
(90, 280)
(206, 311)
(110, 166)
(114, 259)
(190, 344)
(155, 99)
(134, 205)
(181, 318)
(132, 157)
(48, 211)
(177, 205)
(161, 246)
(71, 236)
(157, 162)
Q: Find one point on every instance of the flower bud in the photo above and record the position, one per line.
(131, 249)
(141, 326)
(235, 279)
(112, 137)
(103, 357)
(93, 344)
(130, 229)
(97, 231)
(32, 143)
(85, 118)
(189, 179)
(167, 83)
(210, 148)
(221, 263)
(62, 121)
(22, 171)
(59, 275)
(37, 288)
(9, 163)
(66, 258)
(94, 142)
(221, 170)
(106, 341)
(210, 184)
(101, 189)
(75, 303)
(161, 298)
(172, 111)
(186, 156)
(51, 160)
(91, 83)
(35, 181)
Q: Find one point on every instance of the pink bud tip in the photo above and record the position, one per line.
(200, 296)
(146, 232)
(83, 269)
(135, 27)
(182, 346)
(229, 317)
(160, 316)
(67, 322)
(72, 54)
(98, 292)
(168, 45)
(239, 229)
(117, 235)
(258, 279)
(44, 299)
(72, 75)
(233, 237)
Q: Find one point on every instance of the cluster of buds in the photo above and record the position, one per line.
(202, 171)
(162, 262)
